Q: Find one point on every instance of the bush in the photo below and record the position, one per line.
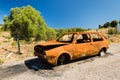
(1, 30)
(22, 41)
(112, 31)
(13, 44)
(1, 61)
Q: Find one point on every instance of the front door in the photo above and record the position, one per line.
(84, 46)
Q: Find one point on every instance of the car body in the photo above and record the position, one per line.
(71, 46)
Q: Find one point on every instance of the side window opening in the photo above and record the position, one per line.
(96, 37)
(83, 38)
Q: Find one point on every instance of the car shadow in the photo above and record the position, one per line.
(12, 70)
(38, 64)
(109, 53)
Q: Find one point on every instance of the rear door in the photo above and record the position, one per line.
(97, 41)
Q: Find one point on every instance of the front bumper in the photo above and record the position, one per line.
(50, 59)
(40, 55)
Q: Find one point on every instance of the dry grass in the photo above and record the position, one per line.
(8, 45)
(27, 50)
(114, 38)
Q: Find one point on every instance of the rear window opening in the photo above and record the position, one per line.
(96, 37)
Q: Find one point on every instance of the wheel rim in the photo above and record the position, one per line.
(102, 53)
(61, 60)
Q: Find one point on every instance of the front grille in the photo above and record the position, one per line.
(38, 49)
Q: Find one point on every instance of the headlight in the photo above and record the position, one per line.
(38, 49)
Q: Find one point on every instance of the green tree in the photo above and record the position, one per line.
(61, 31)
(27, 22)
(100, 26)
(6, 23)
(24, 22)
(114, 23)
(51, 33)
(106, 25)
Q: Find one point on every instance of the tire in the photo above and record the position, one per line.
(63, 59)
(102, 52)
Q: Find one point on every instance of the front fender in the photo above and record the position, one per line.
(53, 55)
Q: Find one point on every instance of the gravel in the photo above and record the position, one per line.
(94, 68)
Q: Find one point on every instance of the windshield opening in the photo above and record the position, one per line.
(68, 38)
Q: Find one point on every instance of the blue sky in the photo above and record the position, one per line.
(69, 13)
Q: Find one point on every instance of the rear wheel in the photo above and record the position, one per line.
(102, 52)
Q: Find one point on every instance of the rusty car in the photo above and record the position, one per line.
(71, 46)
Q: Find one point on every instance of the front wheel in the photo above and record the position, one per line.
(63, 59)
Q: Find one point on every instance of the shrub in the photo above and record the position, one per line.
(13, 44)
(1, 61)
(112, 31)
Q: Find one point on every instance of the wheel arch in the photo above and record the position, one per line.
(104, 49)
(66, 54)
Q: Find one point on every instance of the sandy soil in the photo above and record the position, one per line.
(94, 68)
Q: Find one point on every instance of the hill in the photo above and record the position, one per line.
(113, 38)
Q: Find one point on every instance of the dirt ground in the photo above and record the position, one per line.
(94, 68)
(16, 67)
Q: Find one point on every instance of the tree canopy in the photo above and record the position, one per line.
(112, 24)
(106, 25)
(27, 22)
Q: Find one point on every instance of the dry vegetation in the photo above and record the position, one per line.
(114, 38)
(8, 47)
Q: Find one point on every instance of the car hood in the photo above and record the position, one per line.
(50, 45)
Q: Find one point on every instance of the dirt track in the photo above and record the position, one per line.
(94, 68)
